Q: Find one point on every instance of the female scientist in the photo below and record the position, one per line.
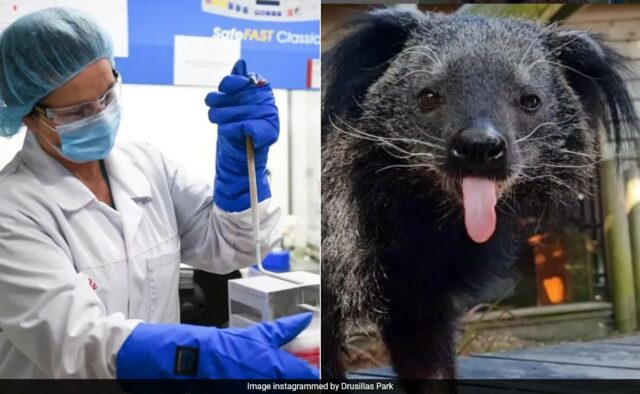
(91, 236)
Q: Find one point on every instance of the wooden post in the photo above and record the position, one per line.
(632, 205)
(618, 244)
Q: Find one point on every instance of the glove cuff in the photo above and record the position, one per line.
(154, 351)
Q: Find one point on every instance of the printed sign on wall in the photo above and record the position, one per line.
(195, 42)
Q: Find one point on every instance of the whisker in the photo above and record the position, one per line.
(591, 164)
(404, 166)
(429, 71)
(562, 66)
(407, 155)
(519, 140)
(547, 176)
(533, 42)
(576, 153)
(372, 137)
(422, 50)
(369, 137)
(419, 49)
(425, 133)
(544, 56)
(414, 141)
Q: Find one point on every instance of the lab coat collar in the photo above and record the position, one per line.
(61, 185)
(128, 176)
(67, 190)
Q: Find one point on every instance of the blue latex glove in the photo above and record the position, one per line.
(181, 351)
(242, 107)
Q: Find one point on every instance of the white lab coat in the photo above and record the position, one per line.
(76, 276)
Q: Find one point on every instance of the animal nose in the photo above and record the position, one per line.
(478, 151)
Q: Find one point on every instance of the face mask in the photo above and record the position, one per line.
(91, 138)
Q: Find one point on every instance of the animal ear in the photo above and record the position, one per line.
(360, 58)
(597, 74)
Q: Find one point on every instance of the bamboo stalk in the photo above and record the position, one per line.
(632, 179)
(618, 244)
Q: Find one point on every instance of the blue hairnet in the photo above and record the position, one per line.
(41, 51)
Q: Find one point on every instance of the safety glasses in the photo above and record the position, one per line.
(74, 113)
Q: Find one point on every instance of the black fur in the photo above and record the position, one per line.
(395, 249)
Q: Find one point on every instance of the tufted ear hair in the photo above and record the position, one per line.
(597, 73)
(360, 58)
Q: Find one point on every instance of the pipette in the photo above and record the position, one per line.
(255, 216)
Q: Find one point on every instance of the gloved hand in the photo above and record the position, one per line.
(182, 351)
(241, 108)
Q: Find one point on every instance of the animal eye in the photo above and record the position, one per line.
(428, 99)
(530, 102)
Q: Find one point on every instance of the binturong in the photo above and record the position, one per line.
(439, 132)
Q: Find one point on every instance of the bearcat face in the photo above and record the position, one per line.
(485, 109)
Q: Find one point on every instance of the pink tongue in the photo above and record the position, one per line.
(479, 196)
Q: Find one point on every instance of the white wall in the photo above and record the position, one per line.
(305, 171)
(9, 147)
